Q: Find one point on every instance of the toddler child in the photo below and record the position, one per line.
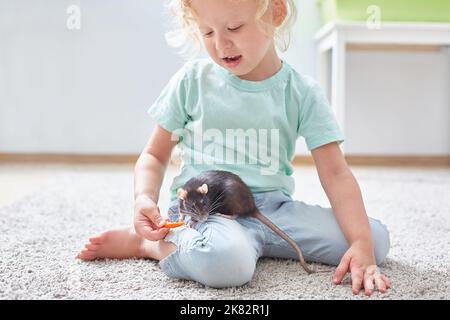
(241, 110)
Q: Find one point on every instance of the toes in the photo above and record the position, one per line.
(96, 239)
(92, 247)
(86, 255)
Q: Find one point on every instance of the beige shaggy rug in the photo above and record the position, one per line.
(41, 233)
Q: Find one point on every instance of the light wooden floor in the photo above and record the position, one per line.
(20, 179)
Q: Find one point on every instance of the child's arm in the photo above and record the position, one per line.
(346, 200)
(343, 192)
(148, 177)
(152, 163)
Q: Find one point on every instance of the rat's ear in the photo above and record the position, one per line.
(203, 189)
(182, 194)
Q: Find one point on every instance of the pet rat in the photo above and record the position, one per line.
(225, 194)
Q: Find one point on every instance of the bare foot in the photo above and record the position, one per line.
(117, 244)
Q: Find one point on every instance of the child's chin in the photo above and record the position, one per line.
(238, 71)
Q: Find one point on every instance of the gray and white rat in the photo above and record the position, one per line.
(225, 194)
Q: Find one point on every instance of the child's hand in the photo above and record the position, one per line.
(147, 219)
(363, 270)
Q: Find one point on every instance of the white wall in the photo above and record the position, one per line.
(398, 103)
(80, 91)
(87, 91)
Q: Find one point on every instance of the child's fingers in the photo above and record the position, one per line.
(150, 213)
(145, 232)
(162, 223)
(161, 233)
(386, 281)
(156, 219)
(150, 233)
(144, 222)
(357, 280)
(368, 284)
(341, 270)
(380, 283)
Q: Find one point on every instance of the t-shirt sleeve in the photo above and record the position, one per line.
(318, 123)
(169, 109)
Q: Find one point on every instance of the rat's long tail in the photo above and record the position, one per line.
(283, 234)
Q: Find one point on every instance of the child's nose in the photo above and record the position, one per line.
(223, 43)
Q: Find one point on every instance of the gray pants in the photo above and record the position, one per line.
(223, 253)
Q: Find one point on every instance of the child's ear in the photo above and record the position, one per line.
(279, 12)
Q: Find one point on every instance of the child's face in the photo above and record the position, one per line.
(229, 29)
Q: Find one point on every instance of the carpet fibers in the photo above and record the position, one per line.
(41, 233)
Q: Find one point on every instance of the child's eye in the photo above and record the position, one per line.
(208, 34)
(235, 29)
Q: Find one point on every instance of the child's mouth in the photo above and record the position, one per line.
(233, 61)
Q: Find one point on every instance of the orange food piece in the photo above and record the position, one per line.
(174, 224)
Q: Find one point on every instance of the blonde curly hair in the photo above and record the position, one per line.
(186, 37)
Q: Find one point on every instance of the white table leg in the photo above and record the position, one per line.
(323, 71)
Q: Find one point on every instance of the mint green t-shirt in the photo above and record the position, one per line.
(245, 127)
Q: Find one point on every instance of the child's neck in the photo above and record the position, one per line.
(267, 67)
